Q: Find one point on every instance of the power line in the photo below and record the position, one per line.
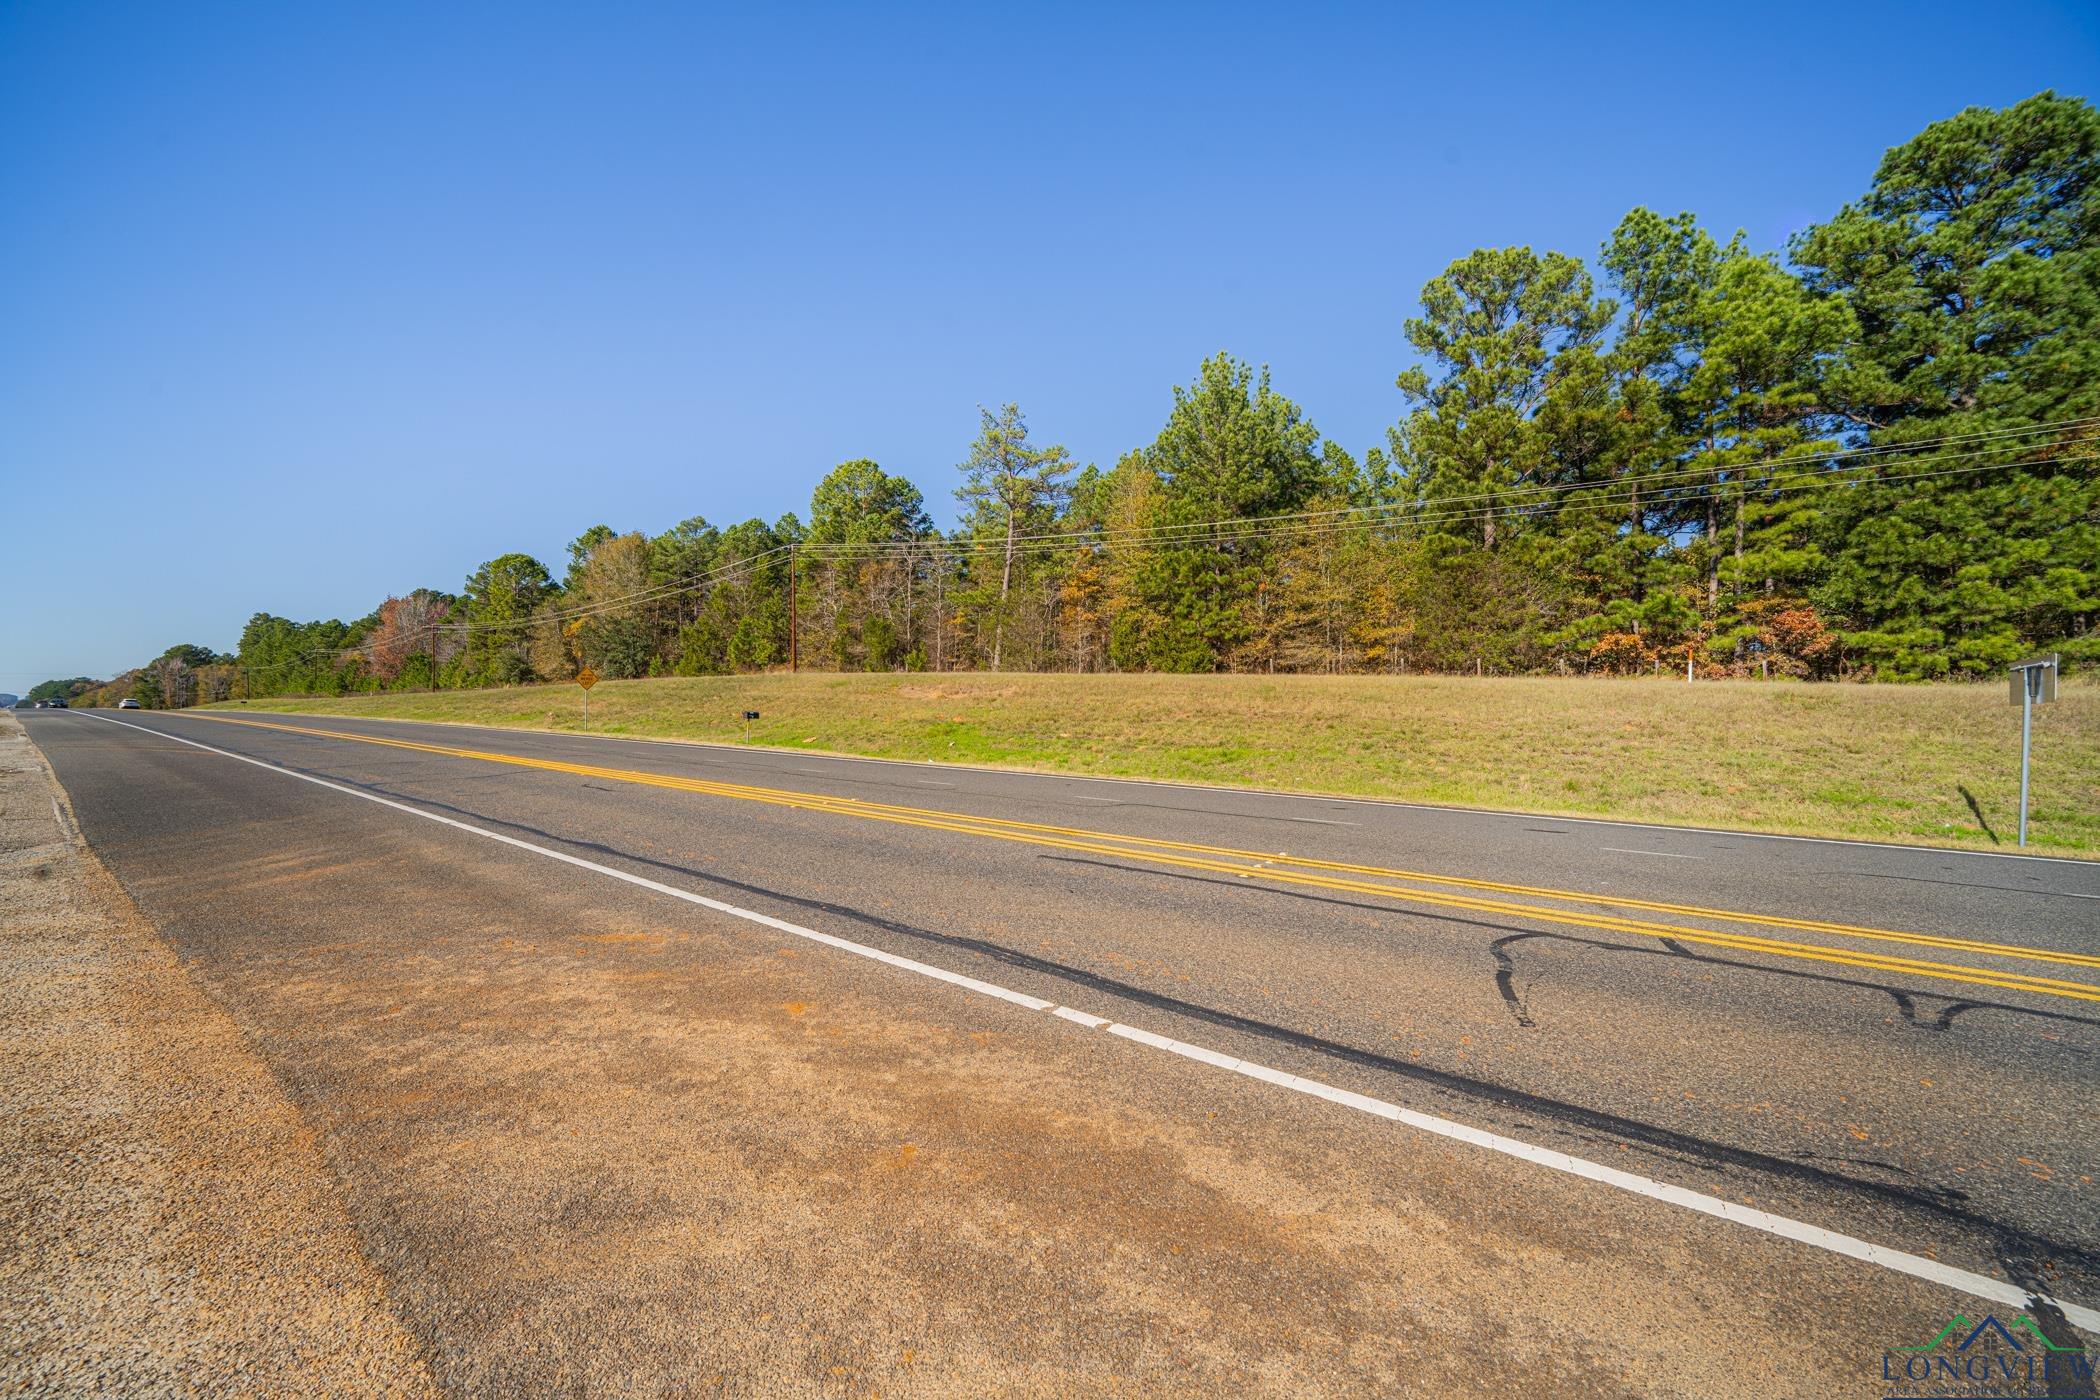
(1260, 527)
(1712, 481)
(1503, 497)
(1728, 490)
(365, 648)
(626, 600)
(1625, 491)
(1412, 512)
(1508, 499)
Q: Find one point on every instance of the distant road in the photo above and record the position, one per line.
(1583, 1040)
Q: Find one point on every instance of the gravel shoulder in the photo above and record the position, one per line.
(166, 1222)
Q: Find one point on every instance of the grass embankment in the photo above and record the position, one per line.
(1936, 764)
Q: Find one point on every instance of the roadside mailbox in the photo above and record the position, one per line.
(749, 715)
(2033, 683)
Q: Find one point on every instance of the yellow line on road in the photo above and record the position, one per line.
(1269, 859)
(1307, 872)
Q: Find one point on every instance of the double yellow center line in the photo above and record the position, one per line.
(1405, 886)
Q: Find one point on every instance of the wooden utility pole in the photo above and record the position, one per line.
(794, 618)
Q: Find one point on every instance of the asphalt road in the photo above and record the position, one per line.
(497, 1049)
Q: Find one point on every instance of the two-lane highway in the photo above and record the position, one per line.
(1782, 1075)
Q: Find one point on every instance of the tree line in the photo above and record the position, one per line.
(1869, 458)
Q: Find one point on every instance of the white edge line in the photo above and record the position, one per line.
(1228, 790)
(1894, 1260)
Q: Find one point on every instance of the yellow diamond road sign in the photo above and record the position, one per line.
(586, 678)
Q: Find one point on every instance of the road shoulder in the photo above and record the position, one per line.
(167, 1224)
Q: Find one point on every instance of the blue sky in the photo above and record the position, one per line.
(303, 305)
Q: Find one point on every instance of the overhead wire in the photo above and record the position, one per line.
(1422, 513)
(1503, 496)
(1705, 481)
(653, 592)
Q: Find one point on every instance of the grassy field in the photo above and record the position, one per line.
(1935, 764)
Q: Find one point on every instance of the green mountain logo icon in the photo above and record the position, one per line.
(1971, 1331)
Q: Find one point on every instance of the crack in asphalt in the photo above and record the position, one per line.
(1906, 1002)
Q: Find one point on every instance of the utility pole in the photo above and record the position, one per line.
(794, 619)
(433, 657)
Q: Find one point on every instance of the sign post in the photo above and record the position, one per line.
(749, 715)
(586, 678)
(2033, 683)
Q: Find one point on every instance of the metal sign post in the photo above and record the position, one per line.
(2033, 683)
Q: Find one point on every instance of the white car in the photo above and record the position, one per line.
(127, 703)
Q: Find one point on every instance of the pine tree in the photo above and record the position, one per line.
(1010, 487)
(1973, 267)
(1233, 450)
(1492, 325)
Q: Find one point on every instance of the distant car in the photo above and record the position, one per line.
(56, 703)
(127, 703)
